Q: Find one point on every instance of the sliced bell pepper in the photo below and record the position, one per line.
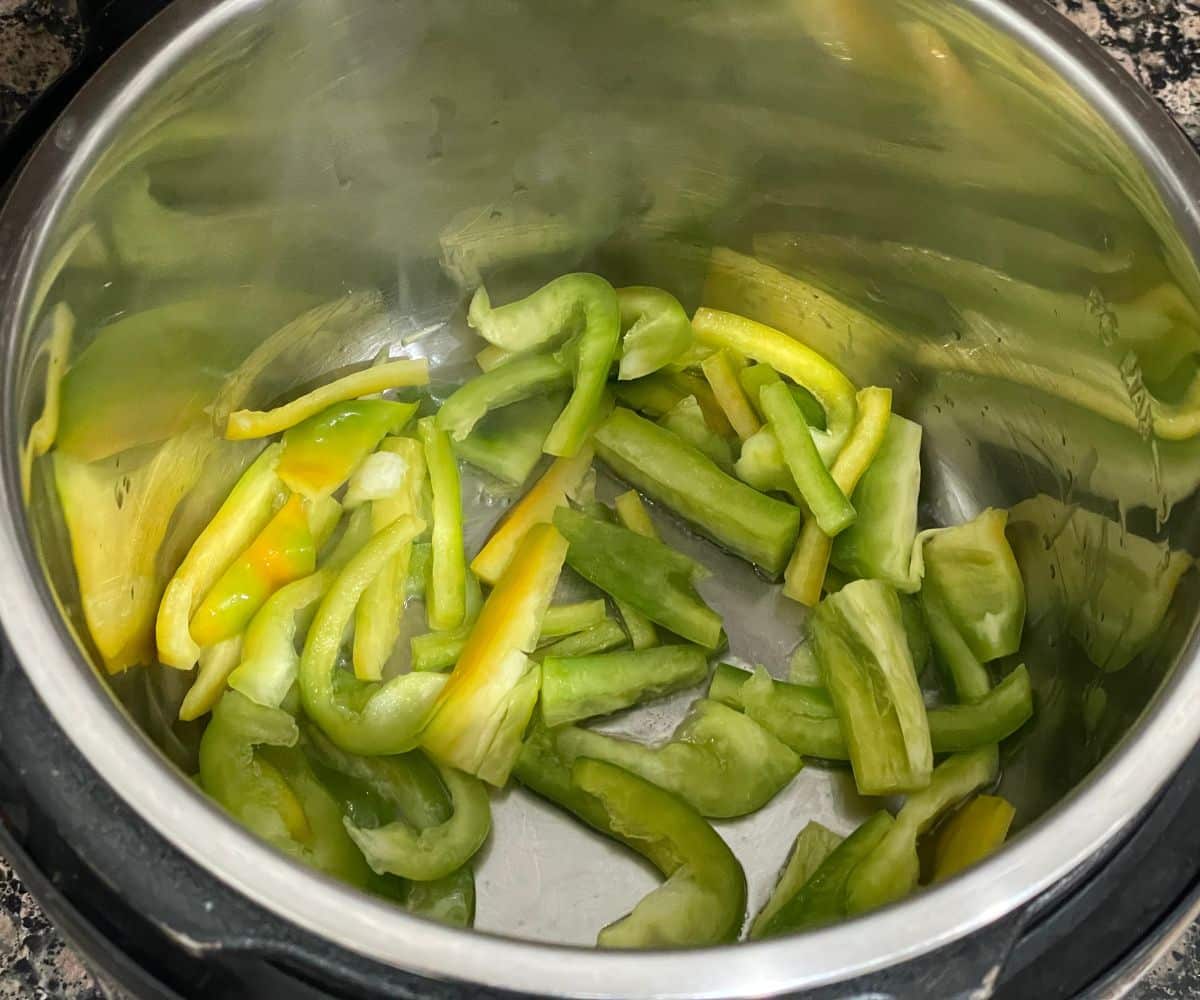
(449, 900)
(216, 664)
(575, 688)
(508, 442)
(686, 419)
(245, 424)
(641, 630)
(893, 869)
(879, 544)
(789, 357)
(669, 470)
(632, 513)
(719, 761)
(814, 843)
(824, 897)
(567, 619)
(652, 578)
(971, 834)
(722, 376)
(446, 596)
(536, 507)
(45, 429)
(655, 395)
(321, 453)
(363, 718)
(493, 357)
(594, 639)
(280, 800)
(806, 572)
(240, 518)
(754, 377)
(655, 331)
(481, 714)
(520, 379)
(574, 302)
(868, 670)
(760, 464)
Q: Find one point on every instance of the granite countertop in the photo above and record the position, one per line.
(1157, 41)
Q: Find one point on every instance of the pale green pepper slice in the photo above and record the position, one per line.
(446, 596)
(539, 375)
(655, 330)
(814, 843)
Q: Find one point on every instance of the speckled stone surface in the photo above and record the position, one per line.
(1157, 41)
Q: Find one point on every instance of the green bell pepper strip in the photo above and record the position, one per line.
(418, 569)
(892, 869)
(789, 357)
(284, 551)
(760, 464)
(802, 717)
(216, 664)
(508, 442)
(321, 453)
(805, 573)
(655, 396)
(754, 377)
(867, 667)
(722, 375)
(481, 714)
(655, 331)
(449, 900)
(642, 633)
(652, 578)
(574, 302)
(822, 495)
(601, 638)
(493, 357)
(363, 718)
(719, 761)
(824, 898)
(240, 518)
(519, 379)
(446, 597)
(879, 544)
(285, 806)
(814, 843)
(575, 688)
(686, 419)
(668, 470)
(245, 424)
(567, 619)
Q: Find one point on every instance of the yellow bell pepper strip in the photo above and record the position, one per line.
(581, 304)
(280, 800)
(402, 373)
(667, 469)
(686, 419)
(600, 638)
(283, 551)
(245, 512)
(652, 578)
(632, 513)
(216, 664)
(45, 429)
(536, 507)
(575, 688)
(722, 376)
(321, 453)
(754, 377)
(655, 331)
(522, 378)
(971, 834)
(446, 596)
(879, 544)
(719, 761)
(789, 357)
(859, 637)
(974, 599)
(824, 897)
(481, 714)
(493, 357)
(508, 442)
(806, 572)
(704, 900)
(892, 870)
(814, 843)
(824, 498)
(802, 716)
(362, 718)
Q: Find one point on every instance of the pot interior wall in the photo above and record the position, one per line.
(1000, 258)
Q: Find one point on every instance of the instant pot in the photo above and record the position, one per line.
(715, 149)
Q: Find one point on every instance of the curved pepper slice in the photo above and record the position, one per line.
(280, 800)
(719, 369)
(718, 761)
(655, 330)
(481, 714)
(971, 834)
(789, 357)
(320, 453)
(575, 302)
(216, 664)
(245, 424)
(446, 593)
(517, 380)
(363, 718)
(240, 518)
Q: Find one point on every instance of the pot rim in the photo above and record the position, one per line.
(1076, 828)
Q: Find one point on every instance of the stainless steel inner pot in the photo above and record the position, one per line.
(1015, 217)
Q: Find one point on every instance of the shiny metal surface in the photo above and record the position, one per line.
(334, 149)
